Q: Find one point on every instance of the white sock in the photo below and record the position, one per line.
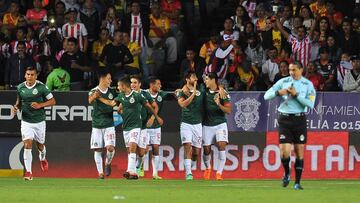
(109, 157)
(139, 161)
(155, 164)
(28, 160)
(98, 161)
(187, 164)
(207, 159)
(131, 162)
(42, 154)
(222, 160)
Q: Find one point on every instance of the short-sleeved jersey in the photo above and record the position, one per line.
(37, 93)
(213, 115)
(102, 115)
(159, 99)
(192, 114)
(145, 113)
(131, 107)
(58, 80)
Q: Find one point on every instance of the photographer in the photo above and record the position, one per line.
(50, 36)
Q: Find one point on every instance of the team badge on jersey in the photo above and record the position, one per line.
(111, 96)
(35, 91)
(198, 93)
(159, 98)
(132, 100)
(247, 113)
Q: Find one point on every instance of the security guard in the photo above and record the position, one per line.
(298, 94)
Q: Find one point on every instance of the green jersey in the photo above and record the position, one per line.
(145, 113)
(102, 114)
(213, 114)
(37, 93)
(192, 114)
(131, 107)
(159, 99)
(58, 80)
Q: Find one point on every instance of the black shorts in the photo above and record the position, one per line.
(292, 129)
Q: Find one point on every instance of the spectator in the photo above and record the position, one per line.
(284, 55)
(10, 19)
(270, 68)
(334, 50)
(111, 21)
(286, 17)
(76, 63)
(356, 25)
(138, 25)
(334, 16)
(254, 51)
(75, 30)
(60, 13)
(297, 21)
(352, 78)
(323, 26)
(208, 48)
(71, 4)
(344, 67)
(283, 71)
(247, 77)
(99, 45)
(16, 66)
(36, 15)
(315, 46)
(301, 44)
(50, 36)
(134, 67)
(318, 8)
(240, 18)
(260, 19)
(161, 36)
(89, 16)
(21, 33)
(250, 6)
(315, 77)
(273, 37)
(229, 31)
(307, 15)
(58, 79)
(349, 41)
(192, 63)
(327, 70)
(115, 56)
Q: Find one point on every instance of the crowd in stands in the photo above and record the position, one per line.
(69, 40)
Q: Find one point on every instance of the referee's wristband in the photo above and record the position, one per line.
(277, 93)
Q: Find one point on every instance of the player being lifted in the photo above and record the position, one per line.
(217, 104)
(32, 97)
(153, 127)
(103, 130)
(191, 103)
(145, 115)
(130, 107)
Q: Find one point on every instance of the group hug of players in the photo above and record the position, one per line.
(203, 120)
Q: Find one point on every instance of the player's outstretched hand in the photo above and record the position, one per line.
(36, 105)
(14, 110)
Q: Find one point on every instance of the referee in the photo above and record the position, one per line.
(297, 95)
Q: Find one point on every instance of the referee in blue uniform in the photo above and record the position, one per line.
(298, 94)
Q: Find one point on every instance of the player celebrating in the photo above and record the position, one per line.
(217, 104)
(32, 97)
(298, 94)
(191, 117)
(103, 130)
(153, 127)
(145, 115)
(130, 107)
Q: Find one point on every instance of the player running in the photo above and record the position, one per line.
(103, 130)
(130, 107)
(217, 104)
(191, 103)
(32, 97)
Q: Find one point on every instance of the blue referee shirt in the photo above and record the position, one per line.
(292, 105)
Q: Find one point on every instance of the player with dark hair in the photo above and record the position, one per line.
(103, 131)
(298, 94)
(32, 97)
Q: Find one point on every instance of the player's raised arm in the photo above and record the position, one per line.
(93, 96)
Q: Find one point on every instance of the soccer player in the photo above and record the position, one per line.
(32, 97)
(217, 104)
(103, 130)
(130, 107)
(298, 94)
(153, 127)
(191, 103)
(145, 115)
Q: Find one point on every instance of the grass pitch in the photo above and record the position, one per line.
(51, 190)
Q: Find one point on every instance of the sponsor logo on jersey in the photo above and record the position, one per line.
(247, 113)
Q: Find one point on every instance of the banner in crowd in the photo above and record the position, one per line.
(252, 153)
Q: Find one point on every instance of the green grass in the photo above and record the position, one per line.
(120, 190)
